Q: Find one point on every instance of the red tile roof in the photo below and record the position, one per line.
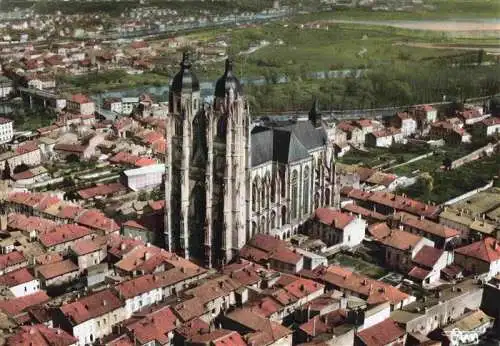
(218, 337)
(366, 213)
(91, 306)
(246, 272)
(487, 250)
(154, 327)
(16, 277)
(324, 324)
(189, 309)
(373, 290)
(418, 273)
(49, 258)
(193, 327)
(101, 190)
(27, 147)
(41, 335)
(401, 240)
(145, 161)
(53, 270)
(396, 202)
(80, 98)
(146, 283)
(333, 217)
(426, 226)
(212, 289)
(30, 223)
(86, 246)
(379, 230)
(63, 234)
(95, 219)
(11, 259)
(427, 256)
(266, 242)
(381, 334)
(15, 306)
(265, 330)
(285, 255)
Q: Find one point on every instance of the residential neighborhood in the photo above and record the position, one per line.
(172, 217)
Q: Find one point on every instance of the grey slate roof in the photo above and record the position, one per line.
(285, 144)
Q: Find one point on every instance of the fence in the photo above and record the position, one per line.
(469, 194)
(476, 154)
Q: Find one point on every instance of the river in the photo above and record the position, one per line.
(160, 93)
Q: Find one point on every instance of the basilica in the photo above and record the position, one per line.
(229, 178)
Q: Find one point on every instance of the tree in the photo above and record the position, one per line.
(426, 182)
(143, 196)
(6, 171)
(72, 158)
(21, 168)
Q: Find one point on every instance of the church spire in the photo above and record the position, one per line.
(314, 113)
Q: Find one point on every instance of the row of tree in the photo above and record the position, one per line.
(380, 87)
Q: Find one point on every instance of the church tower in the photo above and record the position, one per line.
(206, 168)
(231, 148)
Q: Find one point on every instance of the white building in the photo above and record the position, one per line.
(6, 130)
(20, 282)
(144, 178)
(91, 317)
(336, 228)
(128, 104)
(81, 104)
(5, 87)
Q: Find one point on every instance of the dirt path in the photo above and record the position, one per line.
(487, 48)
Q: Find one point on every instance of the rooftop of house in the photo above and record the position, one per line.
(487, 250)
(154, 326)
(374, 291)
(63, 234)
(91, 306)
(333, 217)
(12, 258)
(41, 335)
(325, 324)
(397, 202)
(264, 330)
(15, 306)
(365, 213)
(427, 256)
(218, 337)
(16, 277)
(53, 270)
(400, 240)
(86, 246)
(382, 333)
(101, 190)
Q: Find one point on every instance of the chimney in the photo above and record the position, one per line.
(104, 302)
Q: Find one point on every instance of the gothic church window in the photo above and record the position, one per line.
(306, 190)
(273, 219)
(294, 197)
(283, 215)
(255, 195)
(221, 128)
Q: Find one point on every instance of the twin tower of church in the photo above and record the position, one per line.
(207, 168)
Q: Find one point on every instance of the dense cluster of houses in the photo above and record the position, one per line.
(420, 122)
(71, 276)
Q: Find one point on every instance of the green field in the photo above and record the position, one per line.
(359, 265)
(449, 184)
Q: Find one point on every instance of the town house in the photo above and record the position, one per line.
(481, 257)
(441, 235)
(336, 228)
(92, 317)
